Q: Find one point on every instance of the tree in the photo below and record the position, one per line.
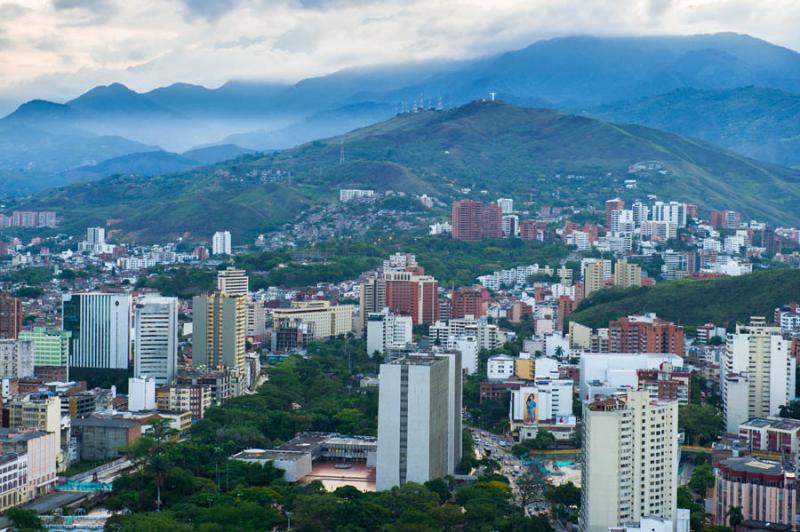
(702, 479)
(735, 517)
(566, 495)
(531, 486)
(702, 423)
(22, 519)
(792, 410)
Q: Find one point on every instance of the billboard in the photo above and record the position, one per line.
(530, 407)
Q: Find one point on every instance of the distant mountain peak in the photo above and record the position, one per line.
(40, 110)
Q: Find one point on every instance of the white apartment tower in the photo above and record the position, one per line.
(388, 331)
(221, 243)
(506, 205)
(759, 373)
(630, 461)
(417, 419)
(156, 339)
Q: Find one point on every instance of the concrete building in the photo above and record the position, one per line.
(506, 205)
(50, 347)
(218, 331)
(489, 336)
(13, 480)
(630, 461)
(141, 394)
(155, 351)
(41, 449)
(608, 373)
(39, 411)
(627, 275)
(765, 491)
(233, 282)
(194, 398)
(385, 331)
(325, 320)
(414, 440)
(16, 358)
(543, 400)
(500, 367)
(759, 373)
(594, 273)
(645, 334)
(221, 243)
(102, 438)
(100, 327)
(468, 301)
(773, 434)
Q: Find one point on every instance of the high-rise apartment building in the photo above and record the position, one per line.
(616, 204)
(155, 351)
(468, 301)
(50, 347)
(627, 275)
(10, 316)
(233, 282)
(506, 205)
(100, 325)
(221, 243)
(673, 212)
(417, 419)
(594, 275)
(630, 461)
(474, 221)
(411, 294)
(645, 334)
(759, 374)
(218, 337)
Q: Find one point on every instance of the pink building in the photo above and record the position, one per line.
(42, 449)
(765, 491)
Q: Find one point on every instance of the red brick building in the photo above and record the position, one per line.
(468, 301)
(645, 334)
(10, 316)
(474, 221)
(616, 204)
(409, 294)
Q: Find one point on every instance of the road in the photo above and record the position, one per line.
(488, 445)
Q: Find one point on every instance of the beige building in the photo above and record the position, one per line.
(219, 325)
(630, 461)
(233, 282)
(593, 276)
(627, 275)
(325, 320)
(35, 411)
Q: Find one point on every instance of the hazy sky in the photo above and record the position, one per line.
(59, 48)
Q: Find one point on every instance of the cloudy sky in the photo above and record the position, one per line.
(59, 48)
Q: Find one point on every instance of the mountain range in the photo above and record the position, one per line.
(620, 78)
(491, 148)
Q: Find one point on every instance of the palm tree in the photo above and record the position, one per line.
(735, 517)
(158, 467)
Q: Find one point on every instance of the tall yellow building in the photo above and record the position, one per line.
(627, 275)
(219, 325)
(593, 276)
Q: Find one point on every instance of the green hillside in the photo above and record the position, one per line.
(548, 156)
(692, 302)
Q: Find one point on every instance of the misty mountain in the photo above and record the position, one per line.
(570, 73)
(757, 122)
(532, 153)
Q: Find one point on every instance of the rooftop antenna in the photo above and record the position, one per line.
(341, 153)
(492, 94)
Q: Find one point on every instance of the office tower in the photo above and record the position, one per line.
(155, 351)
(16, 358)
(468, 301)
(50, 347)
(627, 275)
(593, 276)
(233, 282)
(324, 319)
(506, 205)
(10, 316)
(218, 337)
(100, 325)
(645, 334)
(416, 440)
(221, 243)
(386, 331)
(616, 204)
(474, 221)
(759, 374)
(630, 461)
(766, 492)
